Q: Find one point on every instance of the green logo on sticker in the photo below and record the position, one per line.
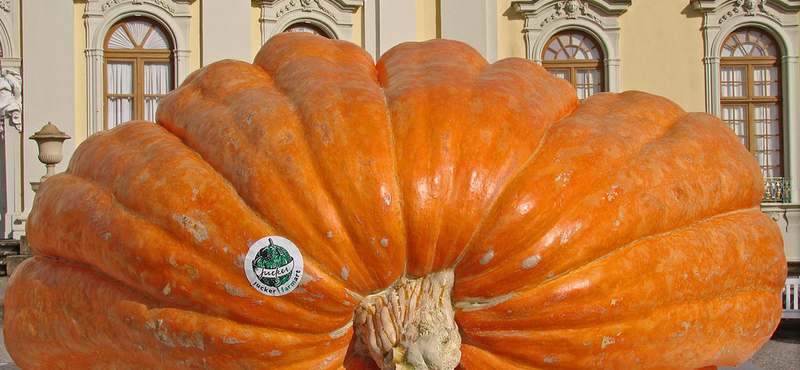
(273, 265)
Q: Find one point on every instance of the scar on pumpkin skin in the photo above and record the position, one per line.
(487, 257)
(192, 226)
(470, 304)
(531, 261)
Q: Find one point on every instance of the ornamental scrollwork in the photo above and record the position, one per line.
(750, 8)
(306, 6)
(5, 5)
(160, 3)
(571, 9)
(11, 98)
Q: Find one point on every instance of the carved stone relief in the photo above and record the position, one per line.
(5, 5)
(11, 98)
(161, 3)
(571, 9)
(749, 8)
(307, 6)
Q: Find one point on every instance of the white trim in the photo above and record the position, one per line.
(598, 18)
(473, 22)
(100, 17)
(332, 16)
(12, 139)
(779, 19)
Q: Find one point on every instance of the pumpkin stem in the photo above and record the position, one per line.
(410, 325)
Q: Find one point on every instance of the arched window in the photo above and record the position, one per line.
(575, 57)
(138, 62)
(750, 95)
(307, 27)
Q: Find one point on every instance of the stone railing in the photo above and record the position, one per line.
(777, 190)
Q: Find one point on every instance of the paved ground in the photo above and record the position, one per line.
(782, 352)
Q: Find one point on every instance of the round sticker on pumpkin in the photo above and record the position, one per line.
(274, 266)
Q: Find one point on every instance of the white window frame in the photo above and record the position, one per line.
(100, 16)
(598, 18)
(779, 19)
(331, 16)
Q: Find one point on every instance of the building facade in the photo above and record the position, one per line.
(88, 65)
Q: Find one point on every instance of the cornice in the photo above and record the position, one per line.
(534, 7)
(349, 6)
(710, 6)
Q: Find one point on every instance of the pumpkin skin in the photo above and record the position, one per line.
(619, 233)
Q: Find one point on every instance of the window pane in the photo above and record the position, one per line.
(120, 40)
(736, 117)
(765, 81)
(150, 105)
(583, 92)
(560, 73)
(156, 40)
(771, 172)
(733, 82)
(571, 44)
(120, 110)
(768, 138)
(727, 51)
(564, 39)
(588, 82)
(119, 76)
(156, 78)
(138, 30)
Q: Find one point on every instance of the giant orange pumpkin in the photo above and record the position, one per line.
(450, 213)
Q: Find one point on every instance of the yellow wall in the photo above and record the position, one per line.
(661, 51)
(358, 27)
(426, 19)
(510, 40)
(78, 8)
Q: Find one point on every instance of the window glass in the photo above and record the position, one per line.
(575, 57)
(750, 95)
(138, 71)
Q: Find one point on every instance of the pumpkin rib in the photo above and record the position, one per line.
(652, 331)
(704, 198)
(479, 303)
(581, 297)
(227, 291)
(126, 140)
(251, 204)
(126, 314)
(194, 140)
(599, 105)
(434, 142)
(669, 305)
(537, 104)
(434, 70)
(605, 109)
(344, 109)
(504, 184)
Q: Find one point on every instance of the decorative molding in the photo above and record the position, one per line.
(5, 5)
(571, 9)
(306, 6)
(748, 8)
(161, 3)
(11, 98)
(598, 18)
(332, 16)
